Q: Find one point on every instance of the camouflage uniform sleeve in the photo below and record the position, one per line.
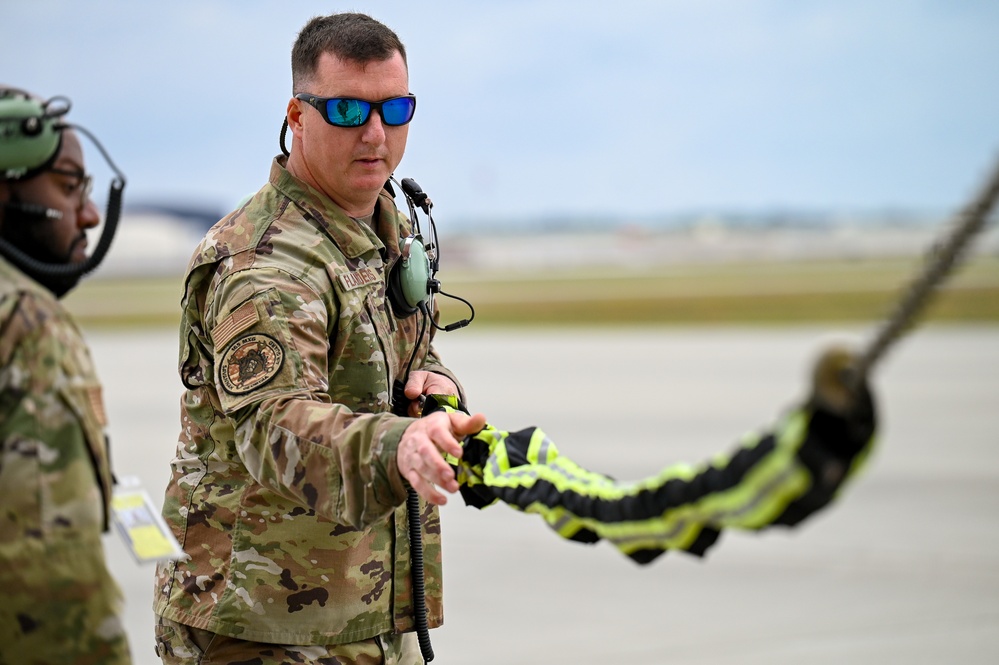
(271, 337)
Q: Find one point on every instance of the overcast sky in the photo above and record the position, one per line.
(541, 107)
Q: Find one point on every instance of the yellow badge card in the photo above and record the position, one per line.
(141, 526)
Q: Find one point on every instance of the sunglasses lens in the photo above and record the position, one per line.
(398, 111)
(347, 112)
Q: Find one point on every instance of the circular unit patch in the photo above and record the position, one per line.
(250, 362)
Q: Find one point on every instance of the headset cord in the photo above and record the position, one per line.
(399, 407)
(416, 563)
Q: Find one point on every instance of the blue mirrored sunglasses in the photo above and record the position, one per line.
(349, 112)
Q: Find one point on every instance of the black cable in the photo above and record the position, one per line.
(416, 563)
(400, 408)
(284, 132)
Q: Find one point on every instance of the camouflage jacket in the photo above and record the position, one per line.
(55, 487)
(285, 492)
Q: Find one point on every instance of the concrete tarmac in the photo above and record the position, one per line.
(904, 569)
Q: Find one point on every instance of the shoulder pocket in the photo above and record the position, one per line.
(254, 353)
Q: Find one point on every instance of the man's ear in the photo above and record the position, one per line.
(294, 115)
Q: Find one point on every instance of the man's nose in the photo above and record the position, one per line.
(88, 216)
(374, 130)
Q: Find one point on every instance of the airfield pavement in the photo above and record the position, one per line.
(904, 569)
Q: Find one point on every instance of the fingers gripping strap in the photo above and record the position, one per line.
(446, 403)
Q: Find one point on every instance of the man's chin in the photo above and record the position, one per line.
(371, 176)
(371, 181)
(78, 252)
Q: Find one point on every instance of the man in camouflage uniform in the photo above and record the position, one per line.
(60, 604)
(291, 474)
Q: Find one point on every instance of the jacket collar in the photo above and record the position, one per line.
(352, 238)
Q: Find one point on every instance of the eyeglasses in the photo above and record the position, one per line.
(349, 112)
(85, 185)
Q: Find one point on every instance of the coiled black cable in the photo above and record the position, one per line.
(400, 407)
(416, 562)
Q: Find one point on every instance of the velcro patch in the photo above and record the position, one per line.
(242, 318)
(250, 362)
(94, 395)
(357, 278)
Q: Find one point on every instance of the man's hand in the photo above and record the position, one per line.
(420, 456)
(426, 383)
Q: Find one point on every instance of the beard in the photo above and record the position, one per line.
(33, 236)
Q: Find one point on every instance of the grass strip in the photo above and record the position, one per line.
(703, 293)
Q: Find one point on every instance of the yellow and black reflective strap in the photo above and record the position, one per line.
(775, 478)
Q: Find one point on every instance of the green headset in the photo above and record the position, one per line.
(412, 281)
(30, 139)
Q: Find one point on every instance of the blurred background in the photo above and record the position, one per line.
(678, 202)
(604, 154)
(631, 118)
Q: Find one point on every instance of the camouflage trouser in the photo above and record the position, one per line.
(178, 644)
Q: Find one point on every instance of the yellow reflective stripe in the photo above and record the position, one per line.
(859, 461)
(767, 488)
(762, 497)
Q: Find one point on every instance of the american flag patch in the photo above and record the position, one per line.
(97, 404)
(242, 318)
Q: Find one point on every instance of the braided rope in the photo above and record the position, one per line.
(943, 256)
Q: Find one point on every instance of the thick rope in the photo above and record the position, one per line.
(942, 259)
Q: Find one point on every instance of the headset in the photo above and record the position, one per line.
(29, 133)
(30, 139)
(412, 281)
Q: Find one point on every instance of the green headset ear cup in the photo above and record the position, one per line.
(409, 279)
(28, 139)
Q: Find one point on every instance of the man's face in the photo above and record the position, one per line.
(349, 164)
(60, 188)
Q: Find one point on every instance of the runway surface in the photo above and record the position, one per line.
(905, 568)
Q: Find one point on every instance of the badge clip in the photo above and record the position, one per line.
(140, 525)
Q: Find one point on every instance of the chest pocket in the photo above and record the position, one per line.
(361, 368)
(369, 347)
